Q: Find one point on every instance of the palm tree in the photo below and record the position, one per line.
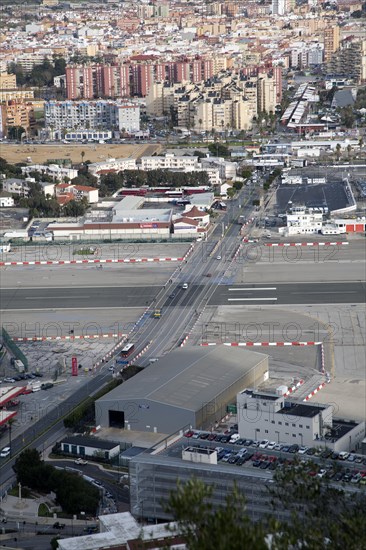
(10, 423)
(338, 151)
(82, 154)
(349, 150)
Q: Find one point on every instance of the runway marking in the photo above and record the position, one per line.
(326, 292)
(54, 297)
(254, 289)
(248, 299)
(73, 308)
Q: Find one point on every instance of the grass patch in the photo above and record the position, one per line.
(84, 252)
(26, 493)
(44, 511)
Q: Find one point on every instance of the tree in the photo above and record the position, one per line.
(15, 132)
(219, 150)
(316, 515)
(204, 528)
(82, 154)
(338, 150)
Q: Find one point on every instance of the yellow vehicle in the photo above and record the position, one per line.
(157, 314)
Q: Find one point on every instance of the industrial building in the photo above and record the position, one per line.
(187, 387)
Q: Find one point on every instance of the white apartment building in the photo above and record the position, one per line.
(301, 221)
(169, 162)
(6, 200)
(273, 417)
(59, 173)
(92, 115)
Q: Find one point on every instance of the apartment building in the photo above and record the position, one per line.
(331, 41)
(135, 77)
(7, 81)
(16, 113)
(349, 61)
(8, 94)
(89, 115)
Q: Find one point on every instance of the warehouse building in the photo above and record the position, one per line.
(188, 387)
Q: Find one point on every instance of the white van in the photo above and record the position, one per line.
(185, 286)
(234, 438)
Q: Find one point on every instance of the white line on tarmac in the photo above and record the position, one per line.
(248, 299)
(254, 289)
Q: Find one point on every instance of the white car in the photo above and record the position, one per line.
(81, 462)
(185, 286)
(271, 445)
(5, 452)
(218, 258)
(322, 472)
(343, 455)
(278, 446)
(303, 450)
(263, 444)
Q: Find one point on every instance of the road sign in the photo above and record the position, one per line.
(121, 362)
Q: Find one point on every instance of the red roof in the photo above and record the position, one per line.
(84, 188)
(188, 221)
(195, 213)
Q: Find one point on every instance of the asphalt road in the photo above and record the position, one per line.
(223, 294)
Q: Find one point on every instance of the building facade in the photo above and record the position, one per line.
(92, 115)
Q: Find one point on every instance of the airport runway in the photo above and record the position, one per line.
(233, 295)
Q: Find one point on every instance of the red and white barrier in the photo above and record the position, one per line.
(293, 388)
(106, 261)
(70, 337)
(320, 387)
(184, 341)
(322, 358)
(249, 344)
(338, 243)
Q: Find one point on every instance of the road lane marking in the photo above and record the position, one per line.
(248, 299)
(254, 289)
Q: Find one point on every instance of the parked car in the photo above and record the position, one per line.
(302, 450)
(271, 445)
(47, 386)
(263, 444)
(81, 462)
(294, 449)
(343, 455)
(189, 433)
(5, 452)
(58, 525)
(9, 380)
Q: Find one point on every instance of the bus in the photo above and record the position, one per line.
(127, 350)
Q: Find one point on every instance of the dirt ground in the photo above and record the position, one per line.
(93, 152)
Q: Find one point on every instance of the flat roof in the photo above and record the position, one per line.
(90, 442)
(340, 428)
(262, 395)
(301, 409)
(188, 377)
(330, 194)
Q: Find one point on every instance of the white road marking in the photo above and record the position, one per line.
(248, 299)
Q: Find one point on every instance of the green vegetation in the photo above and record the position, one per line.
(44, 511)
(138, 178)
(85, 412)
(10, 170)
(319, 516)
(41, 75)
(219, 150)
(73, 493)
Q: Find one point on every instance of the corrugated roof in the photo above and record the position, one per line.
(187, 378)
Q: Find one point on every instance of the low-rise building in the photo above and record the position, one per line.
(90, 446)
(6, 200)
(265, 415)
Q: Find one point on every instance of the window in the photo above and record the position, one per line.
(272, 421)
(293, 435)
(286, 423)
(66, 448)
(280, 423)
(308, 427)
(266, 431)
(300, 425)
